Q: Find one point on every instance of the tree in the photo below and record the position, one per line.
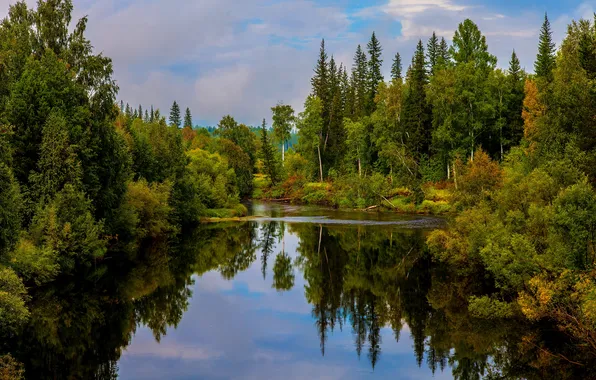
(375, 64)
(320, 81)
(188, 118)
(310, 128)
(443, 56)
(10, 209)
(396, 68)
(433, 52)
(545, 60)
(268, 155)
(283, 119)
(469, 45)
(416, 113)
(359, 82)
(355, 142)
(175, 115)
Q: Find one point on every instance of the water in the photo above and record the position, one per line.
(298, 293)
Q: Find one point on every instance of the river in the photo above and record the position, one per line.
(297, 293)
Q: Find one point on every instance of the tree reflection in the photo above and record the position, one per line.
(361, 278)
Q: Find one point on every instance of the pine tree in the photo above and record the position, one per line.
(175, 115)
(268, 155)
(433, 53)
(152, 115)
(140, 114)
(128, 111)
(187, 118)
(545, 61)
(375, 64)
(122, 106)
(396, 68)
(146, 119)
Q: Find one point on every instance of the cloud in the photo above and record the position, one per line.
(221, 57)
(402, 8)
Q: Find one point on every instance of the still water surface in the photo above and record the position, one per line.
(300, 307)
(298, 293)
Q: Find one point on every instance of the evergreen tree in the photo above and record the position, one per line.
(319, 81)
(187, 118)
(146, 119)
(433, 52)
(175, 115)
(268, 155)
(514, 71)
(128, 112)
(545, 60)
(375, 64)
(122, 106)
(396, 68)
(443, 55)
(152, 115)
(140, 114)
(359, 82)
(416, 113)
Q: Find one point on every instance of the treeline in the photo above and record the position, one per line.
(451, 101)
(80, 176)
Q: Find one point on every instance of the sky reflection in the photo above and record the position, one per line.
(245, 329)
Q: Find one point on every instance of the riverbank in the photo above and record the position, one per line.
(362, 194)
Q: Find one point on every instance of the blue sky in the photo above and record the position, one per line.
(241, 57)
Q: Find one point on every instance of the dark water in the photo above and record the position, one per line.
(301, 293)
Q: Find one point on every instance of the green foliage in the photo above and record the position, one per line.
(188, 118)
(67, 227)
(283, 273)
(545, 60)
(10, 209)
(13, 298)
(268, 156)
(175, 117)
(488, 308)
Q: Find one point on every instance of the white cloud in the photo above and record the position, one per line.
(402, 8)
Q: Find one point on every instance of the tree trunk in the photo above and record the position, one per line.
(448, 172)
(320, 162)
(359, 168)
(455, 176)
(283, 151)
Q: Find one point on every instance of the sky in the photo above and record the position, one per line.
(241, 57)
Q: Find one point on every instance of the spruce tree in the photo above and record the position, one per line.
(396, 68)
(514, 67)
(321, 77)
(146, 119)
(416, 113)
(375, 64)
(175, 115)
(359, 82)
(187, 118)
(140, 114)
(128, 111)
(122, 106)
(433, 53)
(268, 155)
(545, 61)
(443, 55)
(152, 115)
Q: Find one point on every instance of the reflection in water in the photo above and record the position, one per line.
(358, 279)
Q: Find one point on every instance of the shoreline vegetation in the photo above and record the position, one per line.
(85, 178)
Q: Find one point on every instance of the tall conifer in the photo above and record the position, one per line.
(545, 60)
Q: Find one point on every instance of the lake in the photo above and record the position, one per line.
(298, 293)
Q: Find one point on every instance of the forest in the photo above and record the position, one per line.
(509, 156)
